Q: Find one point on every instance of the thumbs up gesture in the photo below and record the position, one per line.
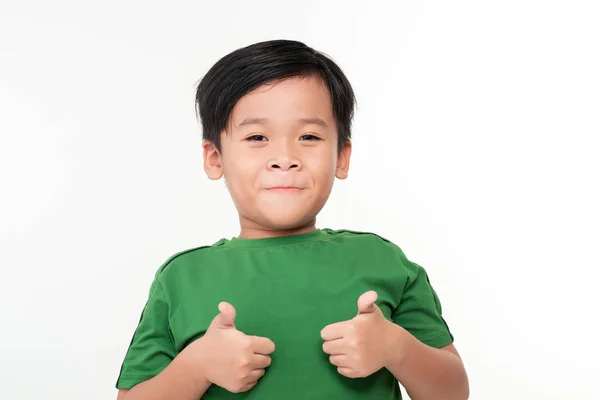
(229, 358)
(359, 347)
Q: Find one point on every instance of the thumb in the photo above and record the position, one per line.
(366, 302)
(226, 317)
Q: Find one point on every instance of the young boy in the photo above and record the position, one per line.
(286, 310)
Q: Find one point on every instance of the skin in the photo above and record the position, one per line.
(279, 157)
(224, 356)
(368, 342)
(280, 136)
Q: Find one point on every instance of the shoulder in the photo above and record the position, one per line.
(377, 245)
(359, 237)
(184, 259)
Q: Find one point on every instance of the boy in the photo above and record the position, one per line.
(286, 310)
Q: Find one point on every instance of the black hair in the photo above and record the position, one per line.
(248, 68)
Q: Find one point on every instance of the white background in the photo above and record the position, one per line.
(476, 151)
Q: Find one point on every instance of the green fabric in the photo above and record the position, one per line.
(286, 289)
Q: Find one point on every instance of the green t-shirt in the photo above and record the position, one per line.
(286, 289)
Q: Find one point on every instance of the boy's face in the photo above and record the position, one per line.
(280, 155)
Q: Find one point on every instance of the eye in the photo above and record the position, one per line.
(256, 138)
(309, 137)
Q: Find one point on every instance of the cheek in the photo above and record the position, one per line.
(323, 167)
(241, 173)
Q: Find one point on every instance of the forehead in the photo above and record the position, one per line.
(286, 100)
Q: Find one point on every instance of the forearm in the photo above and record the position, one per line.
(425, 372)
(174, 382)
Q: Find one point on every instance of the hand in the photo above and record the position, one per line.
(361, 346)
(230, 358)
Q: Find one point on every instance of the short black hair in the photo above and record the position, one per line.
(248, 68)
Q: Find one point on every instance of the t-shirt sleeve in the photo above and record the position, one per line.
(151, 348)
(420, 311)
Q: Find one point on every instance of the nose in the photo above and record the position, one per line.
(284, 163)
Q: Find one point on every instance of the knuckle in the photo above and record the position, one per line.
(236, 389)
(240, 374)
(238, 378)
(246, 344)
(243, 363)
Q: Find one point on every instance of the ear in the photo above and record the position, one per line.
(343, 161)
(212, 161)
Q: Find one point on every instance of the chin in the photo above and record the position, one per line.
(287, 220)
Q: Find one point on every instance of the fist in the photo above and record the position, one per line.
(359, 347)
(231, 359)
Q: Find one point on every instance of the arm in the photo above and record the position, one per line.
(153, 354)
(174, 382)
(425, 372)
(224, 357)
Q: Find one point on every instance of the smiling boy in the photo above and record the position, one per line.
(286, 310)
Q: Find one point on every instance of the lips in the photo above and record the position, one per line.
(284, 189)
(285, 182)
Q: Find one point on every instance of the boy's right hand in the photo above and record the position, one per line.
(230, 358)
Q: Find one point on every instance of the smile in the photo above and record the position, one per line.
(284, 190)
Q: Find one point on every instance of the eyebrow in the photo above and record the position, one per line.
(265, 121)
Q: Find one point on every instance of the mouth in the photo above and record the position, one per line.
(284, 189)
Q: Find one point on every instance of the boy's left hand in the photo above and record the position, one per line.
(361, 346)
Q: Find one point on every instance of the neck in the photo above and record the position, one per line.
(252, 230)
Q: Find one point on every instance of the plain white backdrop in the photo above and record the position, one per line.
(476, 150)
